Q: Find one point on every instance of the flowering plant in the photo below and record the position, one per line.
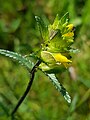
(55, 53)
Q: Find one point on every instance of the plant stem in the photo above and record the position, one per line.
(32, 74)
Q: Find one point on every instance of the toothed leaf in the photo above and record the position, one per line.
(18, 57)
(59, 87)
(42, 28)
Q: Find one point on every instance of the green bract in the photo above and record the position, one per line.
(53, 57)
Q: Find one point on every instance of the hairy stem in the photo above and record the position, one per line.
(32, 73)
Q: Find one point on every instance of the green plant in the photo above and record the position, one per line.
(54, 55)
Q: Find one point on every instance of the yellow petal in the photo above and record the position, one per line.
(70, 26)
(69, 34)
(60, 58)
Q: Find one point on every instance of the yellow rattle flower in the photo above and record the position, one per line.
(69, 34)
(53, 59)
(70, 26)
(60, 58)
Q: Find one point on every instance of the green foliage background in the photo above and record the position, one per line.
(19, 33)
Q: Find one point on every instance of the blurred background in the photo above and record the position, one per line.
(19, 33)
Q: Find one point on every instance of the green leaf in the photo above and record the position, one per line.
(84, 98)
(59, 87)
(4, 108)
(15, 24)
(85, 81)
(12, 26)
(42, 28)
(65, 18)
(21, 59)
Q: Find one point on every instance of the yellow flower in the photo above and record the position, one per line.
(70, 26)
(60, 58)
(53, 59)
(69, 34)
